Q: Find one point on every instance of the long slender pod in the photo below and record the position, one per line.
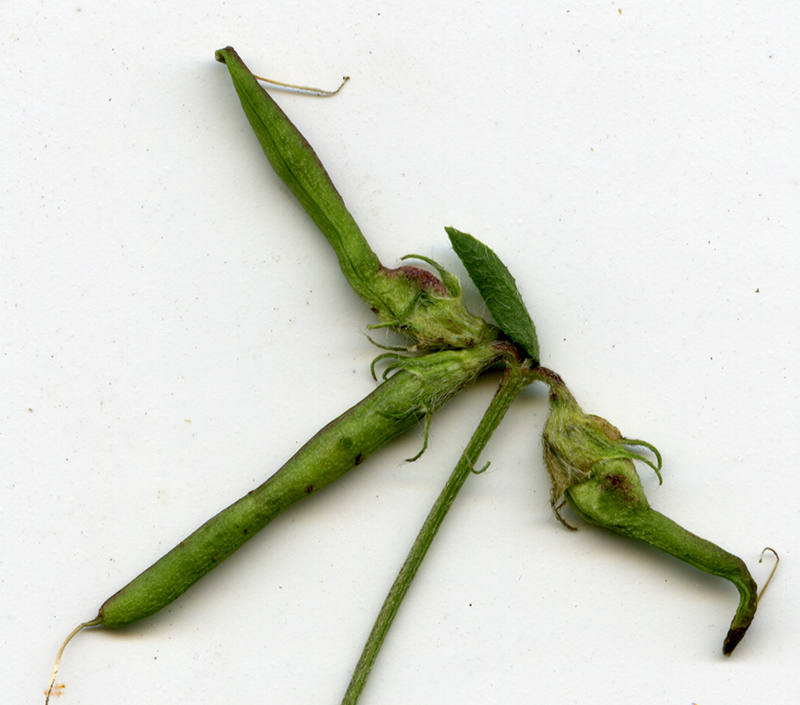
(408, 299)
(414, 391)
(297, 164)
(399, 402)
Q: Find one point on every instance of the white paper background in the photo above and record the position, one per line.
(173, 328)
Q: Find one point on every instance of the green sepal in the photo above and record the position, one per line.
(449, 279)
(498, 289)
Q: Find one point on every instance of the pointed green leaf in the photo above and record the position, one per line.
(498, 289)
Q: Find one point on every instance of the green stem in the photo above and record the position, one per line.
(515, 379)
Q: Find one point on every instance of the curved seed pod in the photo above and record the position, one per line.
(594, 472)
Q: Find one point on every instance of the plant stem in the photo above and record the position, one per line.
(515, 379)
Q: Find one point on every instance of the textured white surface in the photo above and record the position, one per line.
(173, 328)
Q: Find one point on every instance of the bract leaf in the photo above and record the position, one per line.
(498, 289)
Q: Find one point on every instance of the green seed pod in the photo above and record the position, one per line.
(418, 387)
(417, 390)
(592, 470)
(408, 299)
